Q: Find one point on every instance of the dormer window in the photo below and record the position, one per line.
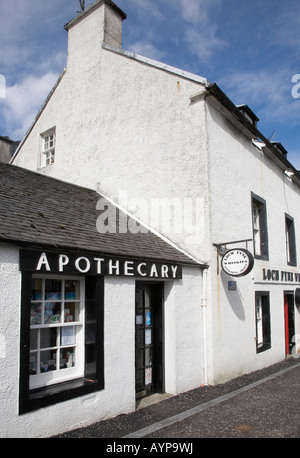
(48, 148)
(248, 114)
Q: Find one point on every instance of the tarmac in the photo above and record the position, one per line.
(270, 392)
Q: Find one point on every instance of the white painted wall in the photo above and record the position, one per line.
(236, 169)
(184, 333)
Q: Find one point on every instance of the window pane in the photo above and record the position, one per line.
(52, 312)
(71, 312)
(37, 288)
(53, 289)
(67, 358)
(67, 335)
(36, 314)
(48, 361)
(32, 364)
(34, 339)
(72, 290)
(48, 337)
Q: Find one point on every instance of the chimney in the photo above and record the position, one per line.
(100, 22)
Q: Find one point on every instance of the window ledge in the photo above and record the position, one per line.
(60, 392)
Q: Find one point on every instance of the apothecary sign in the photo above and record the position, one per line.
(237, 262)
(43, 262)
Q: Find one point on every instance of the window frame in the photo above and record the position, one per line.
(92, 379)
(262, 230)
(290, 240)
(58, 376)
(47, 151)
(263, 327)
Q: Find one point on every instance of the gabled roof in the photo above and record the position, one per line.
(36, 210)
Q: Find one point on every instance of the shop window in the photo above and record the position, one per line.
(61, 339)
(263, 322)
(260, 228)
(290, 241)
(48, 148)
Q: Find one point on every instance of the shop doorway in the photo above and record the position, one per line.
(289, 318)
(149, 368)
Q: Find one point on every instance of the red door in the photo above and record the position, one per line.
(289, 322)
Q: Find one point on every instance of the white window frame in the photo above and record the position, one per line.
(48, 148)
(60, 375)
(256, 229)
(259, 324)
(290, 240)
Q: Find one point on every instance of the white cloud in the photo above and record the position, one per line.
(147, 49)
(196, 11)
(269, 92)
(146, 8)
(203, 41)
(200, 31)
(23, 101)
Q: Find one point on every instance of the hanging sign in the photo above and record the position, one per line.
(237, 262)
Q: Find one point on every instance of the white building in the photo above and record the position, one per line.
(145, 134)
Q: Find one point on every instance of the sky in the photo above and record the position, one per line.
(250, 48)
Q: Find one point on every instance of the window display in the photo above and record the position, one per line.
(56, 322)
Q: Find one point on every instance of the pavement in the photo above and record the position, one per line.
(264, 403)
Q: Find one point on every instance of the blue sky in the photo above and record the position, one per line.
(250, 48)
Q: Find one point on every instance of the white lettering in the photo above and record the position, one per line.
(123, 448)
(63, 260)
(164, 271)
(115, 267)
(153, 272)
(139, 269)
(107, 221)
(99, 267)
(87, 266)
(128, 268)
(296, 88)
(174, 270)
(43, 261)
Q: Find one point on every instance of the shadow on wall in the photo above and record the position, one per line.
(235, 299)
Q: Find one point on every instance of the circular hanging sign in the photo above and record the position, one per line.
(237, 262)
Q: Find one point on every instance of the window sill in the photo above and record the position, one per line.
(60, 392)
(263, 347)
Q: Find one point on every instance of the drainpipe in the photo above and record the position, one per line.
(204, 326)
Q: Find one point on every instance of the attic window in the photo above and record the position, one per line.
(48, 148)
(248, 114)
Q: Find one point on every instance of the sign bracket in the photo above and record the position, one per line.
(221, 247)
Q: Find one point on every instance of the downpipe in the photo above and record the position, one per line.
(204, 325)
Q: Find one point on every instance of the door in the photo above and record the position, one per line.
(289, 317)
(148, 339)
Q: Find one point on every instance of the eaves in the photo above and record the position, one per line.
(215, 91)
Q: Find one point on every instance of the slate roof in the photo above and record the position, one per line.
(36, 210)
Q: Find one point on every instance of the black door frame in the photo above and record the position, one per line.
(158, 373)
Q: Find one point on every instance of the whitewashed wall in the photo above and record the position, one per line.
(236, 169)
